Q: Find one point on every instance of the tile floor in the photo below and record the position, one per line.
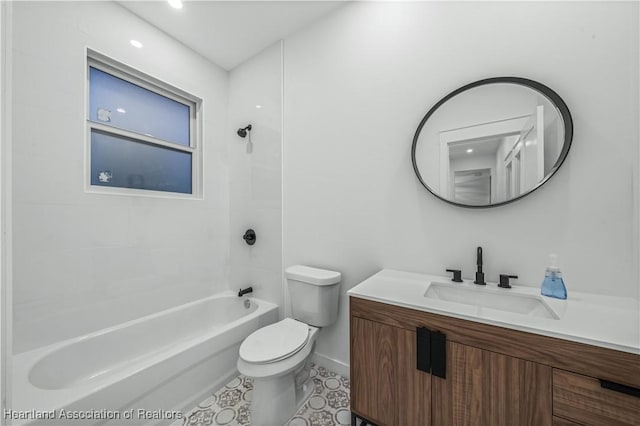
(328, 405)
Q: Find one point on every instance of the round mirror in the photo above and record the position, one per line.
(492, 142)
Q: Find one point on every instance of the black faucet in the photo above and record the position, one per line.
(242, 292)
(479, 274)
(457, 275)
(504, 280)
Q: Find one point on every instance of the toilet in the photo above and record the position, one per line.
(278, 357)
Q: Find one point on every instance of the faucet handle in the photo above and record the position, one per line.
(504, 280)
(457, 275)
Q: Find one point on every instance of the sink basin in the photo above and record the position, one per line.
(491, 299)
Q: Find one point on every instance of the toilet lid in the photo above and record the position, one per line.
(275, 342)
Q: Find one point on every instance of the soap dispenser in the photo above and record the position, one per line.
(553, 284)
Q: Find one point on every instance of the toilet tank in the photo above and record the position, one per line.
(314, 294)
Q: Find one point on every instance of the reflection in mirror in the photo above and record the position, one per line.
(472, 186)
(492, 142)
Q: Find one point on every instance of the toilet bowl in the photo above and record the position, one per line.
(280, 376)
(278, 357)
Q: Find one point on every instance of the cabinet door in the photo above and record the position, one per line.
(483, 388)
(386, 387)
(413, 386)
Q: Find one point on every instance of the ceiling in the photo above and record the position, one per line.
(230, 32)
(481, 147)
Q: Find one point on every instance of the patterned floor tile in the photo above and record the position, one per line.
(328, 405)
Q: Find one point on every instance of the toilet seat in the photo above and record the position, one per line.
(275, 342)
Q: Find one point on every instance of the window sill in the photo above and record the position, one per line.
(127, 192)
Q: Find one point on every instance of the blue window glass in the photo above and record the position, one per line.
(119, 103)
(121, 162)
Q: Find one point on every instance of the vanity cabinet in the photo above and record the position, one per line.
(487, 388)
(395, 389)
(494, 376)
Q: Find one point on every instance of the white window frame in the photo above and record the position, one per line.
(131, 75)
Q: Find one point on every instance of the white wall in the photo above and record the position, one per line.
(356, 86)
(85, 261)
(256, 178)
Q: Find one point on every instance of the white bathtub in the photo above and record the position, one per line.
(159, 364)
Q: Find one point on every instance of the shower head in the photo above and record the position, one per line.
(243, 132)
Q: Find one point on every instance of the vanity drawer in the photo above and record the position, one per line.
(584, 400)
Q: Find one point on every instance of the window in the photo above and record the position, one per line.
(142, 133)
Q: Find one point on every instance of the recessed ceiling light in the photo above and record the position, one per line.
(136, 43)
(121, 110)
(469, 151)
(176, 4)
(258, 106)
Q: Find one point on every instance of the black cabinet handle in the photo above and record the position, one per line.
(439, 354)
(617, 387)
(431, 352)
(423, 345)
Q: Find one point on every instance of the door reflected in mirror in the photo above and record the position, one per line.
(492, 142)
(472, 187)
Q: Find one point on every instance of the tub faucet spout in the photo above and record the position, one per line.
(244, 291)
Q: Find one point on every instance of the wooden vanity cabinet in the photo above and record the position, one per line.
(392, 389)
(494, 376)
(486, 388)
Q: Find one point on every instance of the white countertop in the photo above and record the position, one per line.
(610, 322)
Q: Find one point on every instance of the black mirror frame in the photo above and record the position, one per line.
(539, 87)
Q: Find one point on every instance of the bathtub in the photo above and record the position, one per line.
(144, 371)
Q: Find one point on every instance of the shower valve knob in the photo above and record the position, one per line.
(249, 237)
